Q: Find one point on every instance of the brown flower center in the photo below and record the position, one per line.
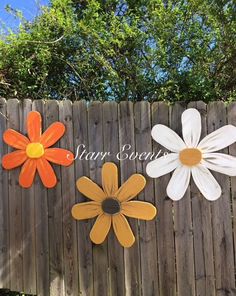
(111, 206)
(190, 156)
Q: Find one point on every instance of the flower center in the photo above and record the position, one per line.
(111, 206)
(34, 150)
(190, 156)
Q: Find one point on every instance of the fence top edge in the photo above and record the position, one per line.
(3, 100)
(89, 103)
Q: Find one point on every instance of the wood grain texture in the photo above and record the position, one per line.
(115, 250)
(202, 227)
(232, 151)
(147, 234)
(128, 167)
(28, 219)
(183, 225)
(189, 249)
(85, 257)
(41, 223)
(100, 255)
(71, 277)
(165, 222)
(56, 258)
(221, 216)
(4, 205)
(15, 207)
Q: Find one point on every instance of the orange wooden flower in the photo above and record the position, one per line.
(34, 152)
(111, 204)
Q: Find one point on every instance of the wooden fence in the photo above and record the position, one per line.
(187, 250)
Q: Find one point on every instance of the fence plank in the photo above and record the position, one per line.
(202, 228)
(100, 259)
(221, 217)
(131, 255)
(80, 122)
(232, 151)
(15, 207)
(4, 204)
(28, 220)
(183, 226)
(147, 235)
(165, 224)
(55, 218)
(41, 223)
(115, 251)
(71, 277)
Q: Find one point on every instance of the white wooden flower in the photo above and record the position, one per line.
(191, 157)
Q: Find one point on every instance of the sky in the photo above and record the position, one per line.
(30, 9)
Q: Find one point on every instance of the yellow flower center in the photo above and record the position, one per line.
(190, 156)
(111, 206)
(34, 150)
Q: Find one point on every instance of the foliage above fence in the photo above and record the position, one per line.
(187, 250)
(102, 50)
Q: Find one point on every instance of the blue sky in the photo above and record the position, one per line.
(30, 9)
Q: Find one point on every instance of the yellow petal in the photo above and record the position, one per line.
(139, 210)
(100, 229)
(110, 178)
(90, 189)
(131, 188)
(122, 230)
(86, 210)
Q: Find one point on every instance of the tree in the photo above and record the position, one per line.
(117, 50)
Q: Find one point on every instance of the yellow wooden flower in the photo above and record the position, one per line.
(110, 204)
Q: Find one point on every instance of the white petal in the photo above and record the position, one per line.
(179, 183)
(219, 162)
(219, 139)
(163, 165)
(191, 126)
(206, 183)
(167, 138)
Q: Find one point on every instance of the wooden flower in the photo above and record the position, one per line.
(111, 204)
(191, 156)
(34, 152)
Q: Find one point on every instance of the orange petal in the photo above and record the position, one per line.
(86, 210)
(90, 189)
(59, 156)
(34, 126)
(100, 229)
(110, 178)
(131, 187)
(14, 159)
(15, 139)
(27, 173)
(46, 173)
(123, 231)
(52, 134)
(139, 210)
